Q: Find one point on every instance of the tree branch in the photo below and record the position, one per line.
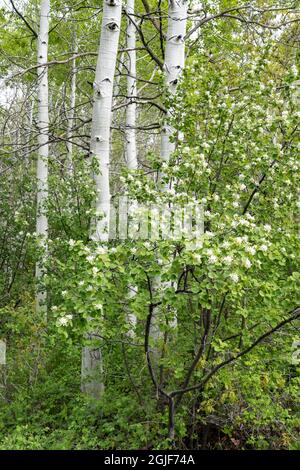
(295, 313)
(23, 19)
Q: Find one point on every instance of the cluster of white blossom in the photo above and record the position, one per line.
(64, 320)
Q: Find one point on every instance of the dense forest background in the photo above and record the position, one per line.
(138, 340)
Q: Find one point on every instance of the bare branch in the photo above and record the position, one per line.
(23, 19)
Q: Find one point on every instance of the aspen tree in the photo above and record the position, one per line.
(72, 107)
(43, 151)
(131, 149)
(92, 364)
(173, 67)
(174, 63)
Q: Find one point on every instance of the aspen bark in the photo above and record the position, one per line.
(100, 133)
(173, 67)
(43, 152)
(92, 364)
(72, 110)
(174, 63)
(131, 150)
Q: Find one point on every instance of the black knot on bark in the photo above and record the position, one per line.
(112, 26)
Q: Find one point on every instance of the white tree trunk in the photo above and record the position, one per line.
(100, 133)
(92, 365)
(43, 151)
(72, 110)
(173, 67)
(130, 135)
(131, 153)
(174, 63)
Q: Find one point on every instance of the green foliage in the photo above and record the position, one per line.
(237, 154)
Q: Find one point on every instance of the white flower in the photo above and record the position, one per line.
(294, 70)
(64, 293)
(263, 248)
(212, 259)
(72, 243)
(101, 250)
(247, 263)
(95, 270)
(239, 240)
(243, 187)
(245, 222)
(235, 204)
(234, 277)
(63, 321)
(268, 227)
(54, 308)
(226, 244)
(228, 259)
(251, 250)
(98, 306)
(90, 258)
(81, 283)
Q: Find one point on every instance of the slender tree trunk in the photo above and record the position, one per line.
(173, 67)
(72, 109)
(174, 63)
(131, 150)
(100, 133)
(29, 132)
(43, 152)
(131, 153)
(92, 365)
